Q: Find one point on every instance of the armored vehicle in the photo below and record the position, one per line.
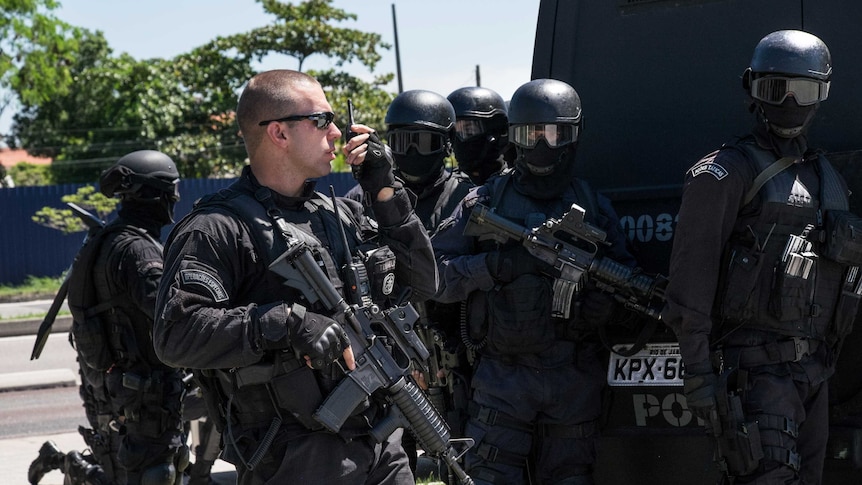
(661, 86)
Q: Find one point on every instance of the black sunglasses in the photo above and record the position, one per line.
(323, 120)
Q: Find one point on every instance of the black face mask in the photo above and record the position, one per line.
(479, 155)
(788, 120)
(419, 170)
(541, 160)
(150, 214)
(544, 172)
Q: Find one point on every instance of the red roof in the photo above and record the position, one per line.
(10, 157)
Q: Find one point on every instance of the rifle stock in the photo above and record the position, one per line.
(93, 223)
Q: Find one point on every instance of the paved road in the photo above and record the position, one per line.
(27, 308)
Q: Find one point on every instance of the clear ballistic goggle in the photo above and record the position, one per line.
(468, 128)
(774, 90)
(556, 135)
(425, 142)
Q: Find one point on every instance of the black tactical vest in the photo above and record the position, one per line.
(757, 288)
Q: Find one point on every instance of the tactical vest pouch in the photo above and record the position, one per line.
(521, 316)
(843, 237)
(791, 294)
(91, 342)
(743, 268)
(298, 393)
(845, 314)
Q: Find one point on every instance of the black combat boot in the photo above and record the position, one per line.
(200, 473)
(50, 458)
(79, 470)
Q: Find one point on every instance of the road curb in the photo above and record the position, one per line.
(30, 326)
(37, 379)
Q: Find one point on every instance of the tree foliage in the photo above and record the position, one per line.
(27, 174)
(65, 219)
(185, 106)
(36, 50)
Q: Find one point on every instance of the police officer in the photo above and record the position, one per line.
(420, 125)
(755, 291)
(266, 355)
(538, 381)
(481, 131)
(132, 400)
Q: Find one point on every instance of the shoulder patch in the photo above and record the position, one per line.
(708, 166)
(208, 281)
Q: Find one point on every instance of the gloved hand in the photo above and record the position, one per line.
(375, 172)
(699, 386)
(317, 337)
(597, 307)
(508, 264)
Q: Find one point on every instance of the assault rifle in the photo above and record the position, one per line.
(444, 361)
(570, 245)
(377, 369)
(93, 224)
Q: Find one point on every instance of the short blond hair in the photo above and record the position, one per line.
(268, 95)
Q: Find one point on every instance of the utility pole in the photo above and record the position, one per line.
(397, 52)
(478, 77)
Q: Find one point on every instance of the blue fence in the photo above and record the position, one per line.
(28, 249)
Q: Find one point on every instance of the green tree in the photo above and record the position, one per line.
(185, 106)
(306, 29)
(65, 220)
(27, 174)
(36, 50)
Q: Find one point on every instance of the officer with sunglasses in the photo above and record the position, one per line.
(266, 354)
(539, 374)
(754, 295)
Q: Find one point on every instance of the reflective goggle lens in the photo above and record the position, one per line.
(555, 135)
(774, 90)
(466, 129)
(425, 142)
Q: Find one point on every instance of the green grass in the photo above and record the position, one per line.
(34, 288)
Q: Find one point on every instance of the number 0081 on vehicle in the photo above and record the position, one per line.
(657, 364)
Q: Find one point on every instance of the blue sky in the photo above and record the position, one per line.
(440, 41)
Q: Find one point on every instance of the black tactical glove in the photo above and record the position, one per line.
(508, 264)
(597, 308)
(317, 336)
(699, 386)
(375, 172)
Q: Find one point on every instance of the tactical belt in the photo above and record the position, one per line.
(792, 350)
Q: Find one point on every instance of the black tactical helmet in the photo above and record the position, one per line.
(792, 53)
(545, 101)
(144, 174)
(478, 102)
(424, 108)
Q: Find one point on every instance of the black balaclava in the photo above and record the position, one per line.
(543, 172)
(150, 208)
(479, 156)
(417, 171)
(784, 128)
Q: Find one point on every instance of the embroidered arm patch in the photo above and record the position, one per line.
(206, 280)
(710, 167)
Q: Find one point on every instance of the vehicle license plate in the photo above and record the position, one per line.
(657, 364)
